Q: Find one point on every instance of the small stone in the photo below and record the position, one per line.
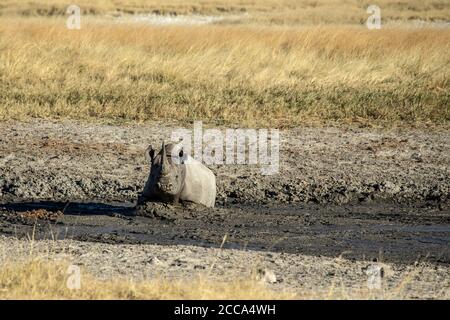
(156, 261)
(266, 275)
(416, 157)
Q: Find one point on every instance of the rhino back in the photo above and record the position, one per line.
(200, 184)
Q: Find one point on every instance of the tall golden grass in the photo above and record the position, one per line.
(227, 74)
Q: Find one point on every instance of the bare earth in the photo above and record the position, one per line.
(356, 193)
(68, 160)
(305, 276)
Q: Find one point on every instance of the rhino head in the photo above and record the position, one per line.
(167, 174)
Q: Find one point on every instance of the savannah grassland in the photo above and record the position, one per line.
(280, 63)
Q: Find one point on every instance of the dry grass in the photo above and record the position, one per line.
(48, 279)
(226, 74)
(257, 73)
(43, 270)
(39, 279)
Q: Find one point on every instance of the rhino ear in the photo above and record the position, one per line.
(150, 154)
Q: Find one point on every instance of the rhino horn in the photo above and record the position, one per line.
(164, 163)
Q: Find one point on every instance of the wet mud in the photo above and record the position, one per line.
(359, 193)
(378, 232)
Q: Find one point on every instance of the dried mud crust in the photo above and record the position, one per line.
(74, 161)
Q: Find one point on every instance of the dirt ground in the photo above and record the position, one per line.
(303, 275)
(78, 161)
(356, 193)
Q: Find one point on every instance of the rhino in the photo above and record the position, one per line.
(176, 176)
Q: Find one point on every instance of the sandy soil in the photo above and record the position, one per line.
(306, 276)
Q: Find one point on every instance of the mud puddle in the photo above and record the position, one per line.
(363, 232)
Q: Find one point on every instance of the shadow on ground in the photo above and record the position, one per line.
(368, 231)
(73, 208)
